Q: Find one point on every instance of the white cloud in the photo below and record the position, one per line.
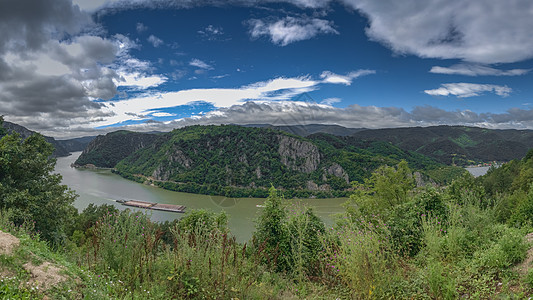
(200, 64)
(482, 31)
(290, 29)
(213, 33)
(163, 114)
(140, 81)
(272, 90)
(95, 5)
(330, 77)
(463, 90)
(140, 27)
(155, 41)
(477, 70)
(331, 101)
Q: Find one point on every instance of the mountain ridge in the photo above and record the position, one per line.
(61, 147)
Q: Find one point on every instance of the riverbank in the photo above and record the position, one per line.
(101, 186)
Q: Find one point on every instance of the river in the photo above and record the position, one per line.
(103, 187)
(478, 171)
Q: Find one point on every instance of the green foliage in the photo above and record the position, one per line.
(523, 213)
(106, 151)
(386, 188)
(203, 221)
(289, 237)
(305, 229)
(3, 131)
(125, 243)
(30, 190)
(191, 159)
(391, 185)
(207, 263)
(271, 233)
(362, 260)
(82, 228)
(406, 220)
(509, 248)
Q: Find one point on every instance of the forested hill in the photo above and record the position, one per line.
(241, 161)
(459, 144)
(105, 151)
(61, 147)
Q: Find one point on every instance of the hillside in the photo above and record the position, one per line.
(106, 151)
(62, 147)
(455, 144)
(241, 161)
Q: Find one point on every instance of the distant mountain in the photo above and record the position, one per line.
(62, 147)
(306, 130)
(455, 144)
(76, 144)
(245, 161)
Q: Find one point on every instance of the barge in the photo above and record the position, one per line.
(154, 206)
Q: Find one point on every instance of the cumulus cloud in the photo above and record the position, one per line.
(477, 70)
(155, 41)
(55, 72)
(491, 31)
(353, 116)
(300, 113)
(330, 77)
(290, 29)
(200, 64)
(463, 90)
(50, 69)
(140, 27)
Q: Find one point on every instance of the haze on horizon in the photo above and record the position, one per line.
(81, 67)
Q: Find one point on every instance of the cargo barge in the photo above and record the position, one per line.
(154, 206)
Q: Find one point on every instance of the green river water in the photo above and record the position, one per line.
(104, 187)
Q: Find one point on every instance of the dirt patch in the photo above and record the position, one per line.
(7, 243)
(524, 266)
(45, 275)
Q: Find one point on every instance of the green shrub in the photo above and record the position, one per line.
(406, 220)
(507, 250)
(204, 220)
(362, 259)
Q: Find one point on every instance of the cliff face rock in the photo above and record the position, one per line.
(298, 155)
(106, 151)
(336, 170)
(176, 160)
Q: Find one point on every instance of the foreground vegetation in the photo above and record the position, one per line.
(394, 241)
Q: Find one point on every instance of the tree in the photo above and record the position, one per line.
(385, 189)
(271, 232)
(30, 190)
(3, 131)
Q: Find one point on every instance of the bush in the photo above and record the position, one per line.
(362, 259)
(406, 220)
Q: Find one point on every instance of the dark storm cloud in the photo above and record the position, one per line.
(29, 24)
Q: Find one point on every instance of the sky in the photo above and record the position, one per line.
(70, 68)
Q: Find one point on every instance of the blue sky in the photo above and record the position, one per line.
(76, 68)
